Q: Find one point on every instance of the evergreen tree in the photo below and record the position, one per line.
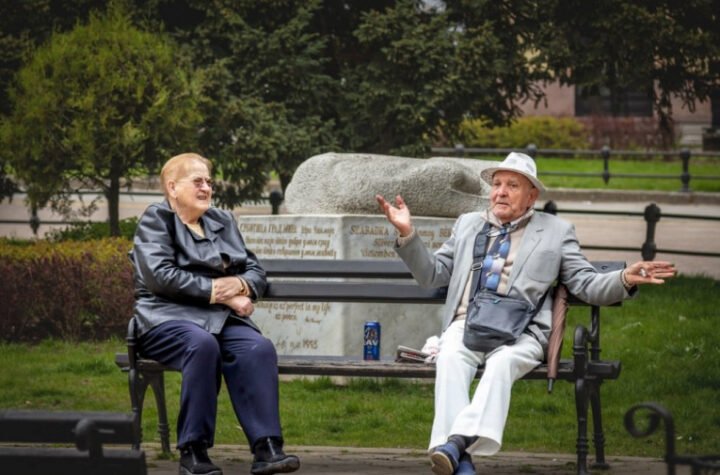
(95, 107)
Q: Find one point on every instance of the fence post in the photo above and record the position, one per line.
(605, 152)
(685, 175)
(460, 150)
(550, 208)
(652, 216)
(276, 198)
(531, 150)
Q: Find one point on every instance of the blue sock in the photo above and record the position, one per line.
(465, 467)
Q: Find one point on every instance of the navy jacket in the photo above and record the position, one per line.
(174, 268)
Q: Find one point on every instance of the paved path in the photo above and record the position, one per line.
(630, 231)
(366, 461)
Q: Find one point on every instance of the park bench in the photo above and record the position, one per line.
(30, 443)
(386, 282)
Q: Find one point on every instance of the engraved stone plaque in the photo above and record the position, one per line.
(322, 328)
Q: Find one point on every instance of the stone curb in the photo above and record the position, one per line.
(668, 197)
(390, 461)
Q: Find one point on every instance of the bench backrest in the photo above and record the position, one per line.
(370, 284)
(371, 281)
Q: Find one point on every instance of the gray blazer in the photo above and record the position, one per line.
(174, 268)
(549, 250)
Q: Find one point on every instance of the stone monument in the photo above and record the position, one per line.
(335, 183)
(334, 215)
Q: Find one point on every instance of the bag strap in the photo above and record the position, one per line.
(479, 251)
(542, 300)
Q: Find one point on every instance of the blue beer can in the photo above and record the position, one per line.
(371, 349)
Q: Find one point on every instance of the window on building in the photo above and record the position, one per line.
(593, 100)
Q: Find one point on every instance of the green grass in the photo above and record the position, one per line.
(666, 339)
(699, 167)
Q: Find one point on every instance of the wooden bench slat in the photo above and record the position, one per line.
(326, 366)
(361, 292)
(363, 269)
(352, 292)
(313, 365)
(326, 268)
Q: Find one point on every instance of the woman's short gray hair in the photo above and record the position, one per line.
(177, 166)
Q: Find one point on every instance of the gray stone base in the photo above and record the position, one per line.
(321, 328)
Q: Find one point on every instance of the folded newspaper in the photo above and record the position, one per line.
(405, 354)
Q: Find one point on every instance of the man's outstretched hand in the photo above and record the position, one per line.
(398, 215)
(649, 272)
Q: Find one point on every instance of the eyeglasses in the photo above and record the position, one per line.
(198, 181)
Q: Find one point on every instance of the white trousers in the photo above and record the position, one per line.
(486, 414)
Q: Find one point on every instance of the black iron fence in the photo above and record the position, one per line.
(605, 154)
(648, 249)
(274, 199)
(651, 215)
(655, 414)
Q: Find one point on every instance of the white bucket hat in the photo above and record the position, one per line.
(518, 163)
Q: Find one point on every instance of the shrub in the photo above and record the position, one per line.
(544, 132)
(623, 133)
(69, 290)
(88, 231)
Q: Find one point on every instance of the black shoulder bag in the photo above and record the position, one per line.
(493, 320)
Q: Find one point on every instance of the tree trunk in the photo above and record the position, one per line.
(113, 198)
(284, 180)
(666, 126)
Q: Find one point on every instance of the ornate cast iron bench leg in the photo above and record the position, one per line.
(598, 433)
(581, 406)
(142, 374)
(137, 386)
(156, 380)
(581, 397)
(139, 381)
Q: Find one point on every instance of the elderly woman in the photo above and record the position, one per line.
(195, 283)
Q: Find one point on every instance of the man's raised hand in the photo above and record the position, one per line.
(398, 215)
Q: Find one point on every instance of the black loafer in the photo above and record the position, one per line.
(194, 460)
(270, 458)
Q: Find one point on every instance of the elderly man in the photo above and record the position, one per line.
(518, 254)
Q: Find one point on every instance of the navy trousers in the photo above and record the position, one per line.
(246, 359)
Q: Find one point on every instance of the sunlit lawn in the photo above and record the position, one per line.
(704, 173)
